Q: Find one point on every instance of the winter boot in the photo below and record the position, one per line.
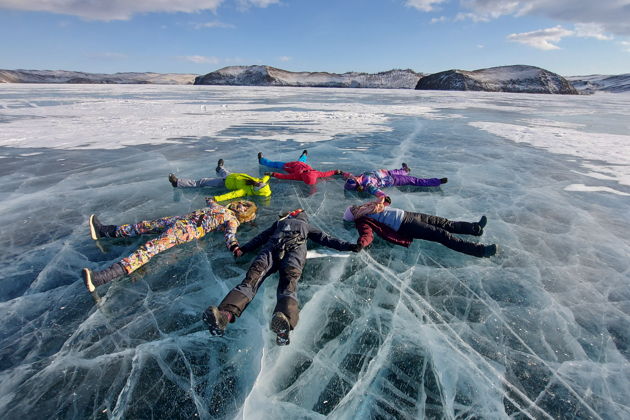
(93, 279)
(260, 156)
(281, 326)
(490, 250)
(219, 166)
(173, 180)
(477, 228)
(216, 320)
(406, 168)
(98, 230)
(304, 153)
(443, 180)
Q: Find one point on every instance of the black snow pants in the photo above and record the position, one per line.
(439, 229)
(289, 264)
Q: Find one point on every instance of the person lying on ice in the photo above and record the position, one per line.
(372, 181)
(297, 171)
(401, 227)
(173, 231)
(284, 250)
(240, 184)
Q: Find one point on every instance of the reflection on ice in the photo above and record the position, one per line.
(540, 331)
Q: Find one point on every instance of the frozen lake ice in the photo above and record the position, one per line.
(541, 330)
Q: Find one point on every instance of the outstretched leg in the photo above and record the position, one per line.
(202, 182)
(240, 296)
(420, 230)
(182, 231)
(466, 228)
(400, 180)
(146, 227)
(270, 163)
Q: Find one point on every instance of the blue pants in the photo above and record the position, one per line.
(276, 164)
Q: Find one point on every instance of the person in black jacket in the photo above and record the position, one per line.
(284, 250)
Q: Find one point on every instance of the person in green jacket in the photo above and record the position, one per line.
(239, 184)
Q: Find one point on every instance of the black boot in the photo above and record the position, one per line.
(260, 156)
(477, 228)
(443, 180)
(406, 168)
(93, 279)
(219, 165)
(482, 222)
(304, 153)
(216, 320)
(490, 250)
(281, 326)
(99, 230)
(173, 180)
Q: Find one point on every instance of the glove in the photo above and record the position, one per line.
(236, 250)
(338, 172)
(357, 248)
(269, 173)
(388, 200)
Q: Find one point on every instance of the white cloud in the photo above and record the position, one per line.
(543, 39)
(200, 59)
(591, 30)
(284, 58)
(625, 45)
(424, 5)
(246, 4)
(213, 24)
(611, 16)
(107, 10)
(439, 20)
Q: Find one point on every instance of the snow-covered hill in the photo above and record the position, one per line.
(63, 76)
(518, 78)
(598, 82)
(271, 76)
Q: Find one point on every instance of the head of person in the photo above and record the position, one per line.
(244, 210)
(353, 184)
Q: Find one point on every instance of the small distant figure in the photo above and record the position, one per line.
(284, 250)
(297, 170)
(401, 227)
(372, 181)
(173, 231)
(240, 184)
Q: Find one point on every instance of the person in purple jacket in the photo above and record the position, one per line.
(401, 227)
(372, 181)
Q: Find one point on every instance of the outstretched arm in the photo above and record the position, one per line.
(366, 234)
(293, 177)
(230, 195)
(326, 240)
(259, 239)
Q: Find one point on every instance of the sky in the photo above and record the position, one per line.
(568, 37)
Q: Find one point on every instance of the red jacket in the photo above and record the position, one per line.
(300, 171)
(366, 226)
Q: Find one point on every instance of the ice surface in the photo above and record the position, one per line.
(540, 331)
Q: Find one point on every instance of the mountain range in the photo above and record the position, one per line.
(517, 78)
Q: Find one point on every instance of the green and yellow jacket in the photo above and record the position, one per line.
(238, 183)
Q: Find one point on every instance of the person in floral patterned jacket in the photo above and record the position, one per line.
(172, 231)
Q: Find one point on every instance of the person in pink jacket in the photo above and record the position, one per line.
(298, 170)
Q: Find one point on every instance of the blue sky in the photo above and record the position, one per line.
(569, 37)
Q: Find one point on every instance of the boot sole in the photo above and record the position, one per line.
(280, 325)
(87, 280)
(93, 232)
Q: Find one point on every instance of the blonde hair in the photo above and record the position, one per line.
(246, 215)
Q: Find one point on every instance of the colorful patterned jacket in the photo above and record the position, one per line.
(372, 181)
